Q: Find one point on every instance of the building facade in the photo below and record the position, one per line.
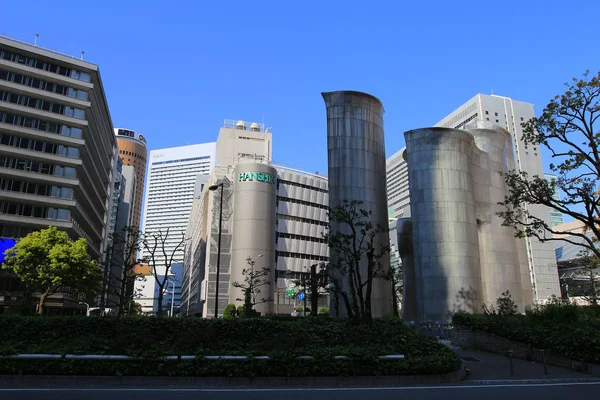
(133, 152)
(398, 195)
(556, 217)
(170, 187)
(272, 214)
(57, 149)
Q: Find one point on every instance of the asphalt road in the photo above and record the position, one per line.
(556, 391)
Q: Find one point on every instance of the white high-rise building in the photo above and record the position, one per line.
(556, 217)
(397, 185)
(171, 179)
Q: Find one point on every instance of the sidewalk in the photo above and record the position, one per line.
(491, 367)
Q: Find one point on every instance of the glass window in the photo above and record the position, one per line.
(27, 210)
(73, 152)
(70, 172)
(62, 150)
(63, 214)
(82, 95)
(76, 133)
(66, 193)
(52, 213)
(31, 188)
(38, 212)
(78, 113)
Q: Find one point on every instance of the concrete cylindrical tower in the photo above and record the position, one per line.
(499, 254)
(356, 164)
(254, 195)
(446, 251)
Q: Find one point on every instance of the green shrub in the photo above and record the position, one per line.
(324, 310)
(240, 310)
(560, 327)
(283, 341)
(301, 309)
(230, 311)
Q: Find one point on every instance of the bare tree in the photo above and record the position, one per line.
(160, 253)
(568, 129)
(254, 280)
(353, 246)
(121, 262)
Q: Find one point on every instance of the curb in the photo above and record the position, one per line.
(51, 381)
(484, 382)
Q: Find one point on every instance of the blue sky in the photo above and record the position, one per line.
(174, 70)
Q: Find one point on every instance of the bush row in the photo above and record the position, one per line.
(566, 331)
(282, 341)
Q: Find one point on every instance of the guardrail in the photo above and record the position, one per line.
(104, 357)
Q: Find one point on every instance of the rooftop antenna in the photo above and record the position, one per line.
(82, 53)
(492, 90)
(263, 121)
(37, 35)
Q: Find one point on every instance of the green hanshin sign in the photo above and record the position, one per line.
(256, 176)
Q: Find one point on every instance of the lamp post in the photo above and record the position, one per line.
(304, 284)
(172, 295)
(213, 188)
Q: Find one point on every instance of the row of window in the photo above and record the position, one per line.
(301, 256)
(40, 125)
(36, 188)
(15, 231)
(301, 219)
(46, 66)
(301, 185)
(181, 160)
(28, 210)
(301, 237)
(132, 154)
(305, 203)
(37, 166)
(43, 85)
(38, 145)
(251, 138)
(39, 104)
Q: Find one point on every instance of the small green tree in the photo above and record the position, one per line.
(356, 262)
(229, 311)
(48, 261)
(251, 287)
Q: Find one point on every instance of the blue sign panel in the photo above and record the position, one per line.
(301, 296)
(5, 244)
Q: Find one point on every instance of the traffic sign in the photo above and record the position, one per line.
(301, 296)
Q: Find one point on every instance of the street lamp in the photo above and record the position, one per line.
(87, 308)
(172, 295)
(212, 189)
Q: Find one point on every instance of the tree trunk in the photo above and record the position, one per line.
(160, 311)
(594, 293)
(314, 291)
(41, 307)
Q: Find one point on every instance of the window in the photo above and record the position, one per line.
(487, 119)
(497, 121)
(487, 113)
(521, 118)
(496, 114)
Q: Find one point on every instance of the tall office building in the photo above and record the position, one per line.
(509, 114)
(276, 217)
(133, 152)
(397, 185)
(172, 175)
(556, 217)
(57, 148)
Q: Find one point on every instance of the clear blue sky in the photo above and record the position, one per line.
(173, 70)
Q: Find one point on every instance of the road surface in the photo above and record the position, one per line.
(555, 391)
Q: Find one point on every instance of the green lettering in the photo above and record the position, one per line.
(260, 176)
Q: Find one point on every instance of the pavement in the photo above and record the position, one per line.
(487, 367)
(589, 390)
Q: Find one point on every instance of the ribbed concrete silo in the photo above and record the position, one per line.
(356, 166)
(445, 236)
(498, 250)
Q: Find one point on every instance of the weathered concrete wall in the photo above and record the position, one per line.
(356, 166)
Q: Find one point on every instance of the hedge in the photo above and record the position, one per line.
(564, 330)
(282, 341)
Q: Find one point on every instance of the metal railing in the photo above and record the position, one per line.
(40, 47)
(113, 357)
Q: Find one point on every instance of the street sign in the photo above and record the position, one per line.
(290, 292)
(301, 296)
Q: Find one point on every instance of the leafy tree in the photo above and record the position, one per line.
(121, 262)
(136, 309)
(568, 129)
(160, 250)
(251, 287)
(397, 279)
(504, 306)
(586, 279)
(358, 262)
(48, 261)
(323, 310)
(313, 281)
(229, 311)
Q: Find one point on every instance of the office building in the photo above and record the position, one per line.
(273, 214)
(170, 187)
(133, 152)
(57, 148)
(556, 217)
(397, 185)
